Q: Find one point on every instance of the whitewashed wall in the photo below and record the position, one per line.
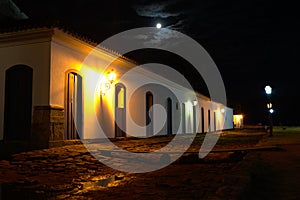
(35, 54)
(67, 54)
(52, 60)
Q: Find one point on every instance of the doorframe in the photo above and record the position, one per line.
(7, 102)
(169, 116)
(183, 122)
(149, 114)
(123, 132)
(209, 120)
(67, 134)
(215, 121)
(195, 119)
(202, 120)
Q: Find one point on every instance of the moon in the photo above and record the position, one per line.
(158, 25)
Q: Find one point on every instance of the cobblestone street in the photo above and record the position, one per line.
(70, 172)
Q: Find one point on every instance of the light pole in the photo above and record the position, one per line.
(268, 91)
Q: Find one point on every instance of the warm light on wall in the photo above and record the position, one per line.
(238, 121)
(238, 117)
(111, 76)
(105, 85)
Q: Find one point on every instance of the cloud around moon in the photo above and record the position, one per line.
(8, 9)
(161, 9)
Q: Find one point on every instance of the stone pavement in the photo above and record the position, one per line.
(70, 172)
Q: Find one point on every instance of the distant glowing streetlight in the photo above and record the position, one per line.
(268, 91)
(158, 25)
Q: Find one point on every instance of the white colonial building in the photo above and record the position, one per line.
(48, 93)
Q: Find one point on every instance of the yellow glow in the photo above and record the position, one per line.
(111, 76)
(95, 82)
(220, 119)
(238, 117)
(121, 98)
(238, 121)
(104, 87)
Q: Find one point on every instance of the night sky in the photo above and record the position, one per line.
(253, 42)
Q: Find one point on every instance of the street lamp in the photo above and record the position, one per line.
(268, 91)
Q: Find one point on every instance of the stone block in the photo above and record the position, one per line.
(47, 125)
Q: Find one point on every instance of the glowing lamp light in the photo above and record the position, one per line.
(222, 110)
(111, 76)
(271, 111)
(104, 87)
(195, 102)
(158, 25)
(269, 105)
(268, 89)
(106, 84)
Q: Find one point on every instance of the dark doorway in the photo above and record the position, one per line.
(215, 122)
(149, 113)
(183, 118)
(74, 106)
(18, 103)
(169, 116)
(194, 119)
(202, 119)
(209, 128)
(120, 110)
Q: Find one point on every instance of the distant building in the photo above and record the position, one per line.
(238, 121)
(43, 95)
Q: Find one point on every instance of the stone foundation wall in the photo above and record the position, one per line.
(57, 124)
(47, 125)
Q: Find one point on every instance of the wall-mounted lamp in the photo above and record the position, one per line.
(109, 79)
(111, 76)
(195, 102)
(104, 87)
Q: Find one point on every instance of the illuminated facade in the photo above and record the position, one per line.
(49, 92)
(238, 121)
